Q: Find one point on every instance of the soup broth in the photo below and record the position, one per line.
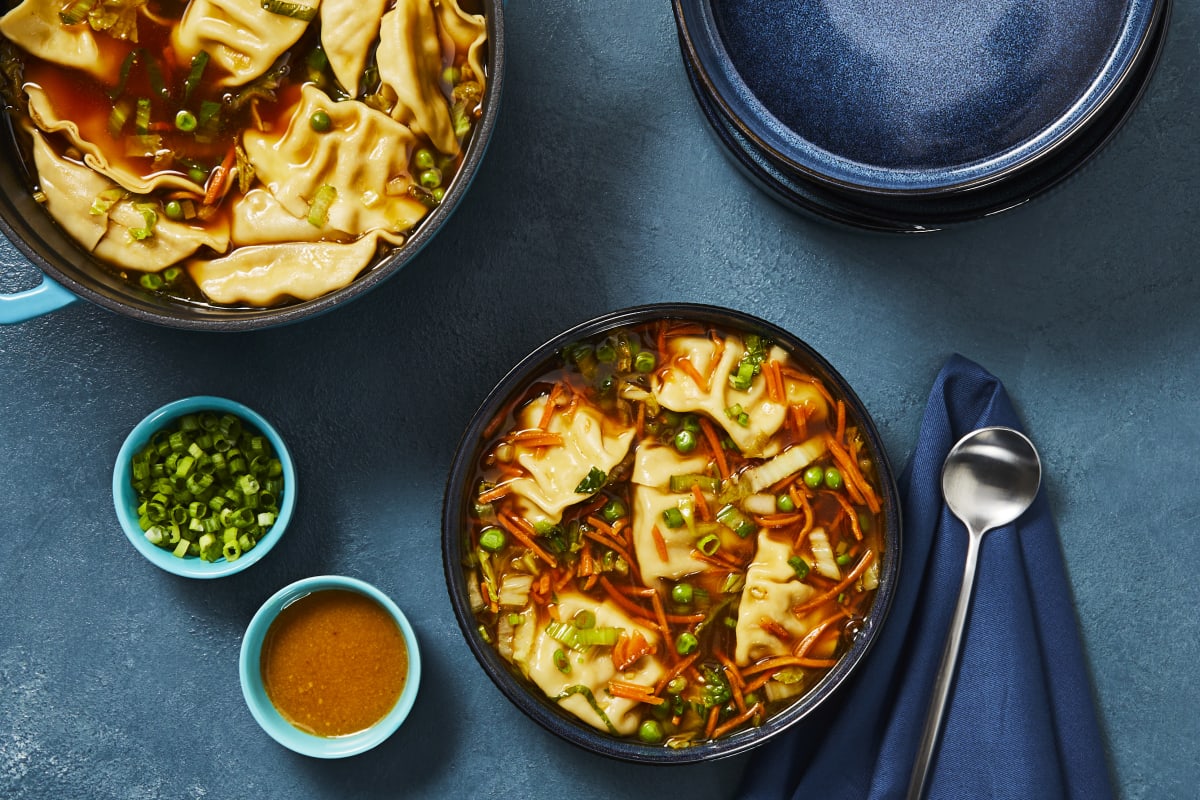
(676, 531)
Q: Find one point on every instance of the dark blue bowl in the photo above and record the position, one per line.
(525, 695)
(918, 97)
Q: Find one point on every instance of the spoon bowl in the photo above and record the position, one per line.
(990, 477)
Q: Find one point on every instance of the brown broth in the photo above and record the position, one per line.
(598, 558)
(334, 662)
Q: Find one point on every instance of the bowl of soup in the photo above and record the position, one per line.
(330, 666)
(221, 166)
(670, 532)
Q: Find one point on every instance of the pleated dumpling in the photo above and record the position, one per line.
(46, 116)
(363, 156)
(35, 27)
(264, 274)
(410, 63)
(467, 32)
(348, 31)
(240, 36)
(71, 192)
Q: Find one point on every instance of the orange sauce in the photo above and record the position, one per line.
(334, 662)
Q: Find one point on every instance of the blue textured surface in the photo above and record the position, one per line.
(602, 188)
(918, 94)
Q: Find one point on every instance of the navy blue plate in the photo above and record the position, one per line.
(923, 212)
(917, 96)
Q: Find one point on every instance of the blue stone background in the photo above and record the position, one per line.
(602, 188)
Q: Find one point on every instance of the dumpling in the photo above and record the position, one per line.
(71, 189)
(678, 391)
(468, 32)
(240, 36)
(264, 274)
(555, 472)
(44, 114)
(35, 27)
(593, 669)
(410, 63)
(348, 30)
(364, 156)
(771, 591)
(653, 467)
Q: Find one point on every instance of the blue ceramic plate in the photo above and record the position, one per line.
(915, 97)
(920, 213)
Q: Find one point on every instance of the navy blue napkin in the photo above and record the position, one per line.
(1021, 721)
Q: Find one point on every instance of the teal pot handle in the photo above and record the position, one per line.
(47, 296)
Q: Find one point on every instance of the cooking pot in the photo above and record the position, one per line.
(71, 272)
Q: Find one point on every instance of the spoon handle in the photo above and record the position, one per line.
(945, 675)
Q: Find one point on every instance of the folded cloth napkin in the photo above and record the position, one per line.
(1021, 721)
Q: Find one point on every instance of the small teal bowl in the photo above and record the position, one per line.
(125, 497)
(271, 721)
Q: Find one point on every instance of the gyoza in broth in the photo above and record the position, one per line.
(676, 531)
(243, 152)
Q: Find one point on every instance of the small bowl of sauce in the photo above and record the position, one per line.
(329, 666)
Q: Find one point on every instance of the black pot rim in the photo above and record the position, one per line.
(541, 710)
(60, 257)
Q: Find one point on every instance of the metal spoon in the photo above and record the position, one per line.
(988, 480)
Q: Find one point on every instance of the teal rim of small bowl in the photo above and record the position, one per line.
(264, 712)
(125, 498)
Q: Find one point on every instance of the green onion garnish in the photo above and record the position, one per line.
(199, 62)
(193, 500)
(318, 212)
(293, 10)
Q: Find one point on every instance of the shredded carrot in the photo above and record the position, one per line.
(591, 581)
(852, 514)
(685, 364)
(600, 525)
(536, 438)
(551, 407)
(775, 629)
(714, 444)
(700, 503)
(660, 544)
(800, 415)
(810, 639)
(633, 691)
(777, 663)
(841, 420)
(817, 383)
(674, 672)
(486, 591)
(851, 473)
(629, 648)
(624, 602)
(640, 425)
(587, 565)
(711, 726)
(596, 536)
(775, 388)
(735, 722)
(800, 499)
(735, 680)
(509, 524)
(495, 493)
(564, 578)
(840, 587)
(216, 185)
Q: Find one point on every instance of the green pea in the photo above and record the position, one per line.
(784, 503)
(452, 75)
(844, 559)
(174, 210)
(650, 731)
(431, 178)
(833, 478)
(645, 361)
(320, 121)
(814, 477)
(686, 643)
(606, 353)
(682, 593)
(423, 159)
(613, 510)
(685, 441)
(185, 121)
(492, 539)
(439, 193)
(198, 175)
(677, 684)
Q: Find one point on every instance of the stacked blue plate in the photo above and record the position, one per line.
(918, 114)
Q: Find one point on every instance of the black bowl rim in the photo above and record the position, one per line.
(537, 707)
(45, 256)
(1158, 11)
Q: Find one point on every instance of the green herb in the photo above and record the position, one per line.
(293, 10)
(593, 482)
(579, 688)
(199, 62)
(732, 517)
(799, 566)
(318, 212)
